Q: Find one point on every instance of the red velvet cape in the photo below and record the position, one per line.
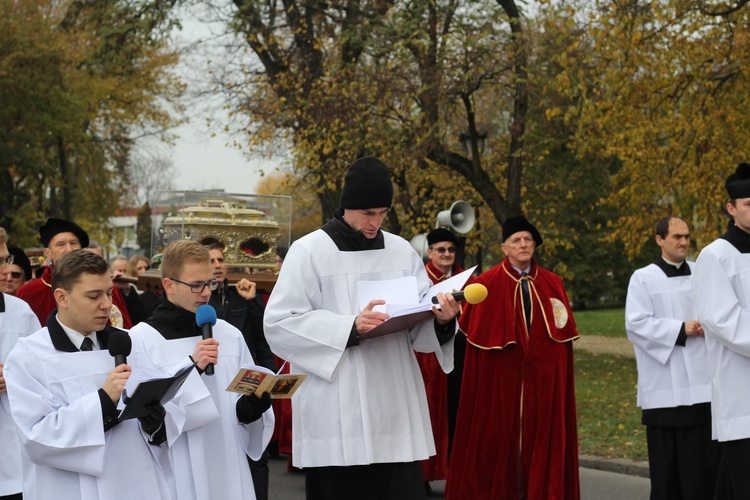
(516, 430)
(38, 294)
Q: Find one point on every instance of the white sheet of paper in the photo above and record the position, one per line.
(396, 291)
(456, 282)
(401, 294)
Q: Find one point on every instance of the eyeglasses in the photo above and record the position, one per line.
(7, 260)
(442, 250)
(16, 274)
(200, 285)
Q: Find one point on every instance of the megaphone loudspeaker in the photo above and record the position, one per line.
(459, 217)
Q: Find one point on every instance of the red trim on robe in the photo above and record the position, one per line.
(282, 410)
(516, 432)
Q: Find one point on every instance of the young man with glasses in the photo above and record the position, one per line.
(17, 320)
(210, 455)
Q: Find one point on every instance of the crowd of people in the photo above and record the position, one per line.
(480, 395)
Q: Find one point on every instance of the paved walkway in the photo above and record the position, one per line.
(595, 483)
(605, 345)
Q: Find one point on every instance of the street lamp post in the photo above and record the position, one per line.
(466, 142)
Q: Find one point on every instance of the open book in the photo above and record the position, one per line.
(251, 380)
(160, 390)
(402, 303)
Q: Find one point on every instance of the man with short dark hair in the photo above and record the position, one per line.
(721, 281)
(516, 429)
(210, 455)
(17, 320)
(60, 236)
(361, 425)
(63, 395)
(674, 384)
(241, 307)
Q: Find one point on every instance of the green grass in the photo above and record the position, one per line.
(601, 322)
(609, 423)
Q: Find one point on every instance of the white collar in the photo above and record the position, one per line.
(521, 271)
(673, 263)
(76, 337)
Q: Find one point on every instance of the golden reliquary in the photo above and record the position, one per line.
(248, 236)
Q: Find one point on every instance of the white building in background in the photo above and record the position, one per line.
(122, 231)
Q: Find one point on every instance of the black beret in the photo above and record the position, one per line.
(21, 260)
(512, 225)
(367, 184)
(738, 183)
(55, 226)
(441, 234)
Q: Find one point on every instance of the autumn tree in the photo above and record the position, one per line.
(386, 78)
(83, 80)
(305, 206)
(663, 89)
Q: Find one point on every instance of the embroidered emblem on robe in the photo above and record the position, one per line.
(561, 313)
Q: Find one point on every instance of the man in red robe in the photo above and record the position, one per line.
(60, 236)
(441, 252)
(516, 430)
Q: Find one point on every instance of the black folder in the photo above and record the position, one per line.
(397, 324)
(160, 390)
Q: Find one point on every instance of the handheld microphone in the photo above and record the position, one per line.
(119, 346)
(205, 317)
(473, 294)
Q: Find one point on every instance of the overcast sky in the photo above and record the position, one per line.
(202, 161)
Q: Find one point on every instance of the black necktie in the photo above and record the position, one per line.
(87, 345)
(526, 298)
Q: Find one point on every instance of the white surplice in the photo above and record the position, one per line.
(16, 321)
(655, 309)
(364, 404)
(210, 456)
(55, 404)
(721, 283)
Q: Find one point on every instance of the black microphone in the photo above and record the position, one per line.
(473, 294)
(119, 346)
(205, 317)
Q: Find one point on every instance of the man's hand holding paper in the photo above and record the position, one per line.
(400, 297)
(369, 319)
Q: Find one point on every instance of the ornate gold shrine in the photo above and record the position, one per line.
(249, 236)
